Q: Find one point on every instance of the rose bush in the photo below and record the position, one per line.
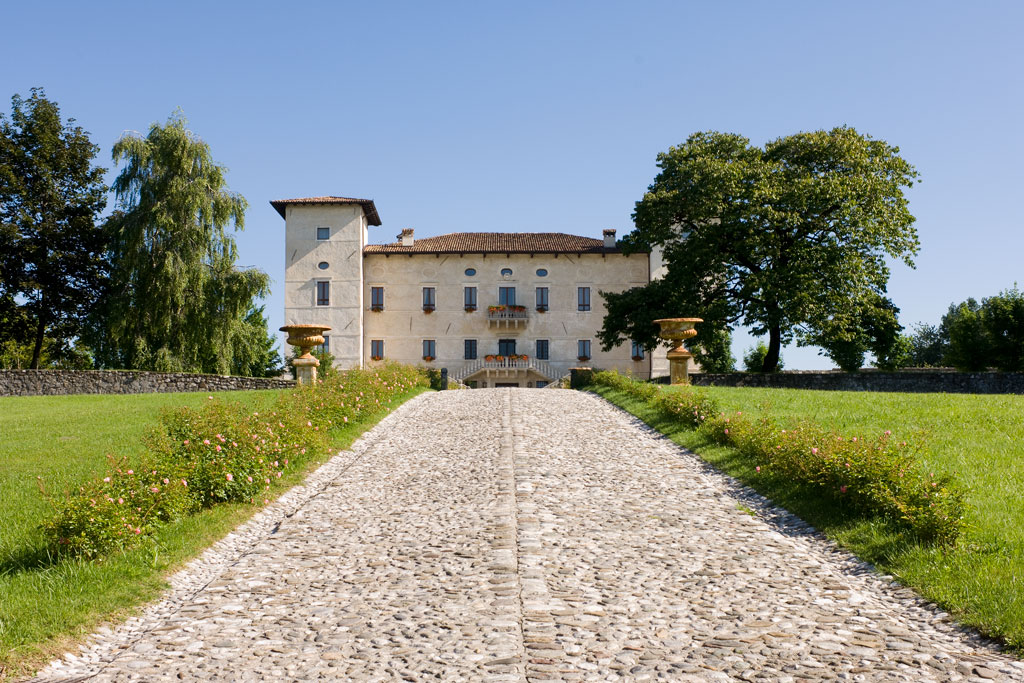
(220, 453)
(875, 476)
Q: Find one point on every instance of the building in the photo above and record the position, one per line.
(496, 309)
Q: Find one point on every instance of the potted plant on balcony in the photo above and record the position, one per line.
(500, 359)
(638, 358)
(517, 309)
(495, 309)
(376, 309)
(376, 357)
(428, 358)
(542, 309)
(583, 359)
(428, 309)
(470, 309)
(489, 358)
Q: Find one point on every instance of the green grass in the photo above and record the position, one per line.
(977, 438)
(44, 605)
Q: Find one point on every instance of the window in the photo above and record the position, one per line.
(323, 293)
(542, 349)
(542, 298)
(583, 349)
(323, 265)
(470, 272)
(470, 296)
(429, 349)
(506, 296)
(583, 299)
(325, 347)
(323, 233)
(506, 273)
(638, 351)
(428, 299)
(470, 349)
(506, 347)
(377, 298)
(542, 272)
(376, 349)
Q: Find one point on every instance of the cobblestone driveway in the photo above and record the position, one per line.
(529, 535)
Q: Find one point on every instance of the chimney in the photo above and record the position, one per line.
(609, 238)
(406, 237)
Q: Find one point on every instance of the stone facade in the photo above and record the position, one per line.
(377, 304)
(62, 382)
(910, 381)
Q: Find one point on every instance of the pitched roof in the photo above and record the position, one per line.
(368, 207)
(497, 242)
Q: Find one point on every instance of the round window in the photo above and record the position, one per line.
(542, 272)
(506, 272)
(470, 272)
(323, 265)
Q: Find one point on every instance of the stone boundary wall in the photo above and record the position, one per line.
(62, 382)
(911, 381)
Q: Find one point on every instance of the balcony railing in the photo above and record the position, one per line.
(475, 366)
(507, 317)
(507, 313)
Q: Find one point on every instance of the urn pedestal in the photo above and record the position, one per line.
(677, 330)
(305, 337)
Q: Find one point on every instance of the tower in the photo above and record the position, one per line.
(324, 240)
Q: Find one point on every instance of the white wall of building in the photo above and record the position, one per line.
(403, 325)
(343, 254)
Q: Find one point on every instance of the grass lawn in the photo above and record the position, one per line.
(44, 606)
(977, 438)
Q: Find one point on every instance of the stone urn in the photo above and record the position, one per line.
(676, 331)
(305, 337)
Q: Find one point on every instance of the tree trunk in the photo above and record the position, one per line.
(771, 360)
(37, 351)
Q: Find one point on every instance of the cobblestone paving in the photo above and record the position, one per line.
(529, 535)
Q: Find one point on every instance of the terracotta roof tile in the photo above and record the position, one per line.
(368, 207)
(496, 242)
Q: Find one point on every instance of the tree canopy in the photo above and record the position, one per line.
(52, 250)
(987, 334)
(788, 239)
(177, 302)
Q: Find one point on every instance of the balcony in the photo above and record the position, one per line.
(507, 318)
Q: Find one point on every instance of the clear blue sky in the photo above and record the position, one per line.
(547, 116)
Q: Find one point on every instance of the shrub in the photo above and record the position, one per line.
(220, 453)
(867, 476)
(116, 511)
(875, 477)
(753, 359)
(689, 405)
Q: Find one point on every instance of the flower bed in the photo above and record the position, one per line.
(875, 476)
(220, 453)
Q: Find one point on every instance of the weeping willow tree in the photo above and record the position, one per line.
(177, 302)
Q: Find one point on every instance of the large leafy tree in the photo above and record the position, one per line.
(52, 265)
(784, 238)
(255, 354)
(871, 324)
(986, 334)
(177, 301)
